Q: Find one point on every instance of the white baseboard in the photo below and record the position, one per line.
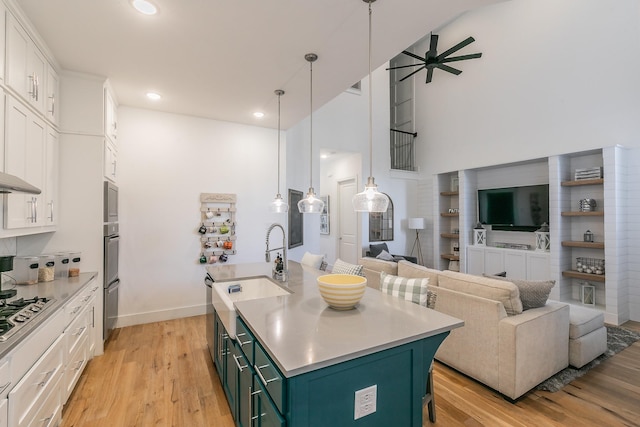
(160, 315)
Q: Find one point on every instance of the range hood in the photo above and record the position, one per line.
(11, 183)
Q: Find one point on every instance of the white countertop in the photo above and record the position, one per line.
(302, 333)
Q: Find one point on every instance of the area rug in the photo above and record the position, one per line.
(617, 340)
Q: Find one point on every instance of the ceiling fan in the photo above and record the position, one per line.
(432, 60)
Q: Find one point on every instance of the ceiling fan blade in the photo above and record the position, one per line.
(433, 46)
(461, 58)
(448, 69)
(413, 55)
(406, 77)
(404, 66)
(456, 48)
(429, 75)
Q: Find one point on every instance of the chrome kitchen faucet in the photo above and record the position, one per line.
(275, 273)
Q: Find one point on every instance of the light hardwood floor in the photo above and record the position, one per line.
(161, 374)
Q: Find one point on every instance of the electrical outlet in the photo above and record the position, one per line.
(365, 402)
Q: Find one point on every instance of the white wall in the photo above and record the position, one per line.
(343, 125)
(166, 161)
(556, 76)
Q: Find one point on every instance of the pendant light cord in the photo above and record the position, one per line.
(279, 95)
(311, 124)
(370, 104)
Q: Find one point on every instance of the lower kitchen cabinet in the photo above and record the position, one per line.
(260, 395)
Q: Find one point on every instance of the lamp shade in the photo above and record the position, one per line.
(416, 223)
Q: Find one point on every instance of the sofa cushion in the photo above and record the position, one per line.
(379, 265)
(497, 290)
(533, 293)
(411, 270)
(414, 290)
(342, 267)
(386, 256)
(583, 320)
(375, 249)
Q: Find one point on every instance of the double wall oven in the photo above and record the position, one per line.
(111, 280)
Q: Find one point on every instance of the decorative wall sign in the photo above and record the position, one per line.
(324, 216)
(296, 224)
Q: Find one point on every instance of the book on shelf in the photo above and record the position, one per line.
(589, 173)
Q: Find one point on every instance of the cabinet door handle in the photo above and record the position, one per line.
(264, 381)
(51, 211)
(32, 83)
(53, 105)
(35, 209)
(47, 377)
(238, 363)
(251, 394)
(46, 421)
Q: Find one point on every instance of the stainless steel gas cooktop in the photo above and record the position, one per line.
(17, 313)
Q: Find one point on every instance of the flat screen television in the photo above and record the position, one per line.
(514, 208)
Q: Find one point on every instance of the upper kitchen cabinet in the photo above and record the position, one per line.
(29, 74)
(110, 115)
(3, 12)
(25, 157)
(50, 197)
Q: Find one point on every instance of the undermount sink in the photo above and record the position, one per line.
(251, 288)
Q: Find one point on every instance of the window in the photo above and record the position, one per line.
(381, 224)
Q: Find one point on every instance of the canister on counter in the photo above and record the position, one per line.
(75, 259)
(62, 265)
(47, 268)
(25, 270)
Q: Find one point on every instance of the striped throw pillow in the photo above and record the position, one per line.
(342, 267)
(414, 290)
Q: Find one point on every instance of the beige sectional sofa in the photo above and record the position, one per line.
(500, 345)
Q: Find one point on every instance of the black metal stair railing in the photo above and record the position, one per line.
(403, 153)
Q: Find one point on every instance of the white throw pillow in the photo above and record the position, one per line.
(385, 256)
(312, 260)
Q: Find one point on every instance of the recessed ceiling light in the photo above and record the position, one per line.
(258, 115)
(324, 156)
(153, 96)
(143, 6)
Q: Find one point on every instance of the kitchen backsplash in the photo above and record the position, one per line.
(8, 246)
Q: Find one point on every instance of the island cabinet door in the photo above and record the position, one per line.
(245, 393)
(265, 412)
(326, 397)
(220, 346)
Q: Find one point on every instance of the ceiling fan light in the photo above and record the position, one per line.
(370, 200)
(279, 205)
(311, 204)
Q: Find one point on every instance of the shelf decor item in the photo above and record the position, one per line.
(588, 205)
(590, 265)
(588, 236)
(588, 294)
(479, 235)
(543, 239)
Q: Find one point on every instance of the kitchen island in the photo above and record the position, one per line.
(307, 362)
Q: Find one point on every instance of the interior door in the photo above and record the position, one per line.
(347, 222)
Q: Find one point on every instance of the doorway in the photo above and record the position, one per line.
(348, 242)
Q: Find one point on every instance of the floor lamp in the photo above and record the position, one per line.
(417, 224)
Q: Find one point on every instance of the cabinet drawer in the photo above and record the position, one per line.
(50, 413)
(34, 388)
(74, 334)
(270, 377)
(74, 366)
(245, 340)
(5, 379)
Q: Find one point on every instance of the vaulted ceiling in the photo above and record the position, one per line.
(223, 59)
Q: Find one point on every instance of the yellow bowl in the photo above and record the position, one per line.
(342, 291)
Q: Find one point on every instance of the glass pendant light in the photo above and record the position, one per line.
(279, 205)
(311, 203)
(370, 200)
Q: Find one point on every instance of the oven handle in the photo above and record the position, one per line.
(113, 286)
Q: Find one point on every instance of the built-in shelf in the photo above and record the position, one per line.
(450, 235)
(584, 276)
(447, 214)
(449, 193)
(579, 213)
(450, 257)
(597, 181)
(578, 244)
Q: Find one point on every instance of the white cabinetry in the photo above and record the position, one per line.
(110, 160)
(52, 149)
(110, 115)
(38, 388)
(518, 264)
(52, 111)
(25, 158)
(25, 65)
